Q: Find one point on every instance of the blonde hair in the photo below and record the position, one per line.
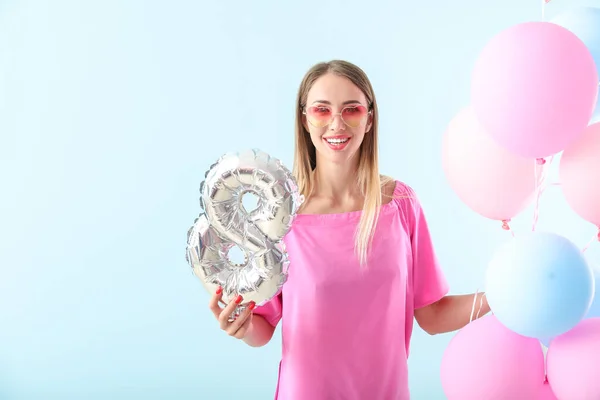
(368, 179)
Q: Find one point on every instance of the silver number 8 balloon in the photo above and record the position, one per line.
(226, 224)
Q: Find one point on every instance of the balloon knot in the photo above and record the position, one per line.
(506, 227)
(598, 234)
(540, 161)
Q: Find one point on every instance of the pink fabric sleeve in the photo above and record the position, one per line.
(271, 311)
(428, 281)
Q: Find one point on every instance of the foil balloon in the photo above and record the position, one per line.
(226, 224)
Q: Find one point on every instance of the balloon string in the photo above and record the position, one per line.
(547, 185)
(474, 304)
(541, 167)
(536, 171)
(473, 307)
(592, 240)
(480, 305)
(544, 2)
(545, 350)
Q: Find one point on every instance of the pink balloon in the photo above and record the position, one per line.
(487, 361)
(546, 393)
(580, 174)
(534, 88)
(486, 177)
(573, 362)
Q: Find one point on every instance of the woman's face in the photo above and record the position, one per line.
(337, 117)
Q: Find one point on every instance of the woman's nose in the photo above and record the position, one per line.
(337, 123)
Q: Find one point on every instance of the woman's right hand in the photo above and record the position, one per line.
(237, 328)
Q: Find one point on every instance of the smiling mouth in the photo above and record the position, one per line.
(337, 141)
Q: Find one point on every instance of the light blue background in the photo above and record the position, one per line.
(111, 111)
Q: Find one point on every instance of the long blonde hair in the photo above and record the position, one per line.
(368, 178)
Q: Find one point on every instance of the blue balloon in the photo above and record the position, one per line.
(584, 22)
(593, 312)
(539, 285)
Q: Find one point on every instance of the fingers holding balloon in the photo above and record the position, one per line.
(215, 300)
(233, 318)
(228, 314)
(240, 325)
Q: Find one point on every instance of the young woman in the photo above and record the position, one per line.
(362, 262)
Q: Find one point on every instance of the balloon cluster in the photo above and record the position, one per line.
(534, 96)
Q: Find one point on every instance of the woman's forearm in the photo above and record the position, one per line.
(259, 333)
(452, 313)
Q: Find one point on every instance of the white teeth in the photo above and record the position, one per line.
(337, 141)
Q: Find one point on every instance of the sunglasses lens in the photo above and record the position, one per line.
(318, 116)
(354, 116)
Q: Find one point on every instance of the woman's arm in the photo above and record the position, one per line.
(259, 332)
(451, 313)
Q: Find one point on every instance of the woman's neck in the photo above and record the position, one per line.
(336, 181)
